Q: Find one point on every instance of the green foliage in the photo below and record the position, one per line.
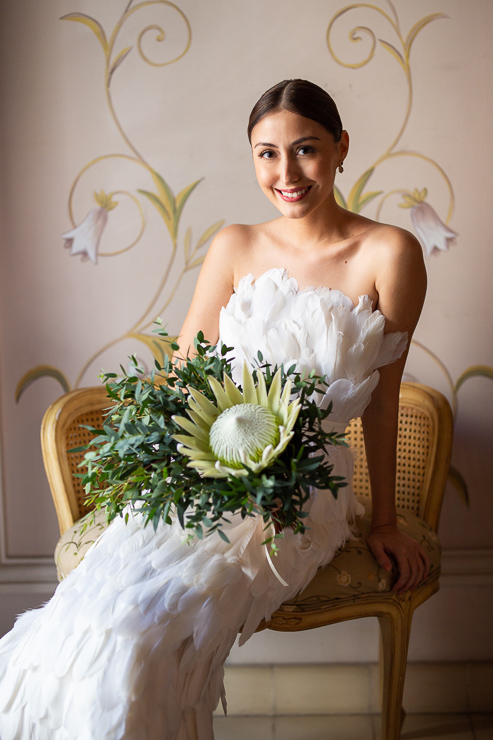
(134, 461)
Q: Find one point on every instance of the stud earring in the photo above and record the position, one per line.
(341, 168)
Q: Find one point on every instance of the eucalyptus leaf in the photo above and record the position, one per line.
(134, 462)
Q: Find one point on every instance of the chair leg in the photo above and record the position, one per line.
(395, 629)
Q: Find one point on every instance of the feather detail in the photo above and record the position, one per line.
(133, 643)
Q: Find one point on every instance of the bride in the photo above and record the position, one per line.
(132, 644)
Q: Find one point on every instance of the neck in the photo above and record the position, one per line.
(323, 226)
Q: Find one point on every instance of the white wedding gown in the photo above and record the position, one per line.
(132, 644)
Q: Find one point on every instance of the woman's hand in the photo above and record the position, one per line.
(413, 564)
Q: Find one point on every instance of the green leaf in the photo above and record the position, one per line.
(475, 371)
(41, 371)
(340, 200)
(186, 243)
(160, 207)
(196, 262)
(158, 347)
(357, 189)
(180, 201)
(367, 198)
(209, 233)
(166, 193)
(91, 23)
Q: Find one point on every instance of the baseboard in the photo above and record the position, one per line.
(354, 689)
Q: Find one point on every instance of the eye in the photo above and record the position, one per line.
(267, 154)
(303, 150)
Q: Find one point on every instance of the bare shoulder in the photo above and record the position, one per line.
(395, 252)
(243, 247)
(392, 243)
(399, 273)
(232, 247)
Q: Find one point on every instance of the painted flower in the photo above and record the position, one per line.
(84, 239)
(242, 430)
(344, 579)
(432, 233)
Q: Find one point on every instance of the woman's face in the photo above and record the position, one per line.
(295, 162)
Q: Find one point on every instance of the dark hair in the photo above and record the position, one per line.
(301, 97)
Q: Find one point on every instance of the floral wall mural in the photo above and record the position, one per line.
(84, 238)
(128, 153)
(434, 234)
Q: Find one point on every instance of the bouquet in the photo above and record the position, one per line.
(188, 443)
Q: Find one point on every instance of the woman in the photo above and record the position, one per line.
(133, 643)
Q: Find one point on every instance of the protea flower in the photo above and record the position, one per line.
(243, 430)
(432, 233)
(84, 239)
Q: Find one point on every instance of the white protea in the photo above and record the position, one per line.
(242, 430)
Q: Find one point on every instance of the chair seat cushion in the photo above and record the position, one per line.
(353, 571)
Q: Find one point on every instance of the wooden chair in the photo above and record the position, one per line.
(423, 456)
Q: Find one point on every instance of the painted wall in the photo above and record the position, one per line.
(123, 128)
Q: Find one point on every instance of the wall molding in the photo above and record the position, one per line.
(460, 568)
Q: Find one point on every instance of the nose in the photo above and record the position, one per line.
(289, 170)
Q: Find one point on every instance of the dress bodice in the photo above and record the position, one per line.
(317, 328)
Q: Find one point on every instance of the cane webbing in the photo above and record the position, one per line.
(413, 450)
(76, 436)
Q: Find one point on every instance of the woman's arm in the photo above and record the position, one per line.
(214, 287)
(401, 287)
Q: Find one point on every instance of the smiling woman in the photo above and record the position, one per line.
(133, 643)
(294, 168)
(298, 141)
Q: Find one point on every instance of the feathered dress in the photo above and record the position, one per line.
(132, 644)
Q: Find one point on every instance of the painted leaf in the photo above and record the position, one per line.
(186, 243)
(459, 484)
(181, 199)
(340, 200)
(419, 27)
(166, 193)
(367, 198)
(395, 53)
(118, 60)
(357, 189)
(196, 262)
(475, 371)
(159, 205)
(41, 371)
(208, 233)
(91, 23)
(158, 347)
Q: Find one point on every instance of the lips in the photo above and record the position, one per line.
(293, 195)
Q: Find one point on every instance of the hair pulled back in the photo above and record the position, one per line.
(301, 97)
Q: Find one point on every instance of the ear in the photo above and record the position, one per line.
(344, 145)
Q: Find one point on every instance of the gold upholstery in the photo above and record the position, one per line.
(352, 585)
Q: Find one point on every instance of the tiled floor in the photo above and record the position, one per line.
(354, 727)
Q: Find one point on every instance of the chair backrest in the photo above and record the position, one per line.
(424, 444)
(423, 450)
(61, 431)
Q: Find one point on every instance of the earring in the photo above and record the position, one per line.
(341, 168)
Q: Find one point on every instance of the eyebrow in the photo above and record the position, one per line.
(298, 141)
